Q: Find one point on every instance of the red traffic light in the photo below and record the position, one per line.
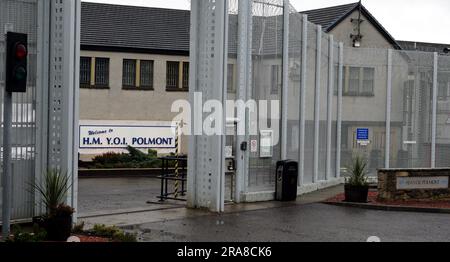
(16, 62)
(20, 51)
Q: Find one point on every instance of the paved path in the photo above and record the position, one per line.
(310, 222)
(304, 220)
(115, 194)
(129, 216)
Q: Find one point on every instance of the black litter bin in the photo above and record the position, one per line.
(286, 180)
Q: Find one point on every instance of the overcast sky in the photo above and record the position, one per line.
(414, 20)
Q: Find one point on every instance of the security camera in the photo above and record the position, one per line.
(447, 50)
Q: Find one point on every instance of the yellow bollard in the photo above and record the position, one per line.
(177, 164)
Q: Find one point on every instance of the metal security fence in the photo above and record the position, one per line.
(44, 118)
(390, 106)
(401, 98)
(21, 16)
(267, 82)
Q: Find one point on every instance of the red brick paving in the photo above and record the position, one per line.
(373, 200)
(92, 239)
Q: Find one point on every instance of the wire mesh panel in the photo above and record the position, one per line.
(411, 109)
(232, 93)
(443, 113)
(295, 49)
(334, 109)
(310, 94)
(323, 107)
(267, 82)
(21, 16)
(364, 87)
(232, 48)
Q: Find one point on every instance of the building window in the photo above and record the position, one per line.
(185, 75)
(177, 76)
(336, 80)
(230, 78)
(368, 81)
(444, 86)
(275, 79)
(173, 75)
(129, 73)
(102, 72)
(353, 82)
(85, 71)
(147, 67)
(359, 81)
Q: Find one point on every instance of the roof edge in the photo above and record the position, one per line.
(134, 50)
(372, 19)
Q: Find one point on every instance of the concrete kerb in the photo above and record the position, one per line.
(301, 191)
(390, 208)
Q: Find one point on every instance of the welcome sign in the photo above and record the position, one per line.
(122, 136)
(412, 183)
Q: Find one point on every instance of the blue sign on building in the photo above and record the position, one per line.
(362, 134)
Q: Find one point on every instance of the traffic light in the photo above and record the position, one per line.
(16, 62)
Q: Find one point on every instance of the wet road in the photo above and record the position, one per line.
(313, 222)
(116, 193)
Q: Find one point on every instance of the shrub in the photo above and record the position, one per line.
(114, 233)
(357, 172)
(124, 238)
(133, 159)
(58, 219)
(78, 228)
(105, 231)
(20, 236)
(53, 189)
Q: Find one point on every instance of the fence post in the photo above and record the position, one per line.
(302, 109)
(244, 11)
(387, 156)
(434, 114)
(339, 108)
(330, 103)
(208, 57)
(317, 105)
(285, 92)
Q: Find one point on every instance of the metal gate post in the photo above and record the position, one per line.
(7, 176)
(317, 104)
(42, 89)
(208, 57)
(64, 91)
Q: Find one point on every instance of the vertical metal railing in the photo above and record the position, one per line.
(317, 104)
(388, 109)
(303, 82)
(434, 110)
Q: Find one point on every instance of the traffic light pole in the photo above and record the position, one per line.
(7, 164)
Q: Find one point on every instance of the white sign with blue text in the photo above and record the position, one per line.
(109, 136)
